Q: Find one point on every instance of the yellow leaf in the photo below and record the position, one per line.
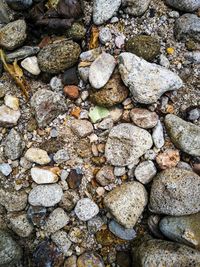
(94, 40)
(17, 69)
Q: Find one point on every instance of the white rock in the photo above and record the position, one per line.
(31, 65)
(61, 156)
(43, 176)
(86, 209)
(101, 70)
(8, 116)
(56, 221)
(145, 172)
(20, 224)
(135, 7)
(146, 81)
(61, 239)
(105, 35)
(11, 102)
(37, 155)
(5, 169)
(164, 61)
(158, 135)
(82, 128)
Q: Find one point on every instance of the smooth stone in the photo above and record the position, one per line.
(158, 135)
(5, 169)
(19, 4)
(164, 61)
(90, 55)
(90, 259)
(11, 102)
(69, 200)
(70, 77)
(20, 224)
(76, 32)
(10, 251)
(175, 192)
(103, 10)
(126, 144)
(71, 261)
(13, 200)
(37, 155)
(14, 145)
(86, 209)
(98, 113)
(56, 84)
(119, 171)
(146, 81)
(4, 16)
(155, 252)
(8, 116)
(31, 65)
(144, 118)
(13, 34)
(43, 176)
(81, 128)
(45, 195)
(182, 229)
(105, 35)
(60, 238)
(106, 124)
(61, 156)
(121, 232)
(145, 171)
(56, 221)
(101, 70)
(184, 5)
(126, 203)
(135, 7)
(22, 53)
(185, 135)
(58, 56)
(105, 175)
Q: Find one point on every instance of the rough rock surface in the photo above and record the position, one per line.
(37, 155)
(14, 145)
(135, 7)
(184, 5)
(86, 209)
(8, 116)
(144, 118)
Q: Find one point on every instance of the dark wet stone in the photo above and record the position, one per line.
(74, 178)
(19, 4)
(121, 232)
(70, 77)
(123, 259)
(37, 215)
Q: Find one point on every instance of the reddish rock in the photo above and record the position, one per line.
(144, 118)
(71, 91)
(168, 159)
(74, 179)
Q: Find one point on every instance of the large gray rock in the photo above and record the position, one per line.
(10, 251)
(126, 143)
(103, 10)
(175, 192)
(47, 105)
(14, 145)
(155, 252)
(182, 229)
(146, 81)
(184, 5)
(126, 203)
(135, 7)
(185, 135)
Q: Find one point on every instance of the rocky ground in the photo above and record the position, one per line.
(100, 133)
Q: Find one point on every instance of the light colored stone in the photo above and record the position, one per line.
(61, 156)
(11, 102)
(158, 135)
(8, 116)
(145, 171)
(61, 239)
(82, 128)
(105, 35)
(56, 221)
(184, 5)
(86, 209)
(31, 65)
(144, 118)
(14, 145)
(5, 169)
(135, 7)
(37, 155)
(13, 200)
(43, 175)
(20, 224)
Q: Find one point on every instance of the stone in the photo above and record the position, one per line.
(56, 221)
(13, 34)
(95, 224)
(143, 46)
(135, 7)
(76, 32)
(8, 116)
(10, 251)
(81, 128)
(11, 102)
(103, 10)
(71, 261)
(106, 124)
(71, 91)
(105, 176)
(119, 171)
(123, 259)
(182, 229)
(193, 57)
(146, 81)
(19, 5)
(45, 195)
(20, 224)
(5, 169)
(185, 135)
(13, 200)
(126, 144)
(56, 84)
(21, 53)
(120, 40)
(145, 171)
(90, 259)
(184, 5)
(74, 178)
(84, 73)
(61, 156)
(43, 175)
(37, 155)
(175, 192)
(62, 241)
(14, 145)
(105, 35)
(158, 135)
(58, 56)
(69, 200)
(164, 61)
(126, 203)
(98, 113)
(101, 70)
(70, 77)
(144, 118)
(4, 16)
(187, 26)
(37, 215)
(113, 93)
(86, 209)
(121, 232)
(168, 159)
(31, 65)
(47, 105)
(155, 252)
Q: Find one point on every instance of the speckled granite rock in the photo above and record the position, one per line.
(184, 5)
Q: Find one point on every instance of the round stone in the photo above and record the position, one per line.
(86, 209)
(89, 259)
(144, 118)
(145, 171)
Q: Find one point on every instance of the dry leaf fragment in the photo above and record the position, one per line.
(94, 40)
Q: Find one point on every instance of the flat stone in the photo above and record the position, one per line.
(145, 171)
(20, 224)
(126, 203)
(146, 81)
(135, 7)
(175, 192)
(56, 221)
(45, 195)
(8, 116)
(60, 238)
(144, 118)
(86, 209)
(82, 128)
(90, 259)
(126, 143)
(121, 232)
(14, 145)
(43, 175)
(185, 135)
(37, 155)
(31, 65)
(184, 5)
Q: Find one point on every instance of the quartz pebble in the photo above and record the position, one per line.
(145, 172)
(37, 155)
(8, 116)
(86, 209)
(43, 175)
(11, 102)
(5, 169)
(31, 65)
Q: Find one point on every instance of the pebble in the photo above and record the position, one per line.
(193, 57)
(120, 40)
(164, 61)
(4, 16)
(168, 159)
(105, 175)
(123, 259)
(37, 155)
(103, 10)
(19, 5)
(13, 34)
(144, 118)
(8, 116)
(98, 113)
(184, 5)
(194, 114)
(70, 77)
(20, 224)
(145, 171)
(74, 178)
(101, 70)
(95, 224)
(56, 84)
(126, 143)
(158, 135)
(11, 102)
(135, 7)
(61, 240)
(5, 169)
(43, 175)
(76, 32)
(185, 135)
(81, 128)
(86, 209)
(45, 195)
(156, 80)
(71, 261)
(37, 215)
(90, 55)
(126, 203)
(121, 232)
(69, 200)
(56, 220)
(175, 192)
(31, 65)
(71, 91)
(90, 259)
(106, 124)
(119, 171)
(105, 35)
(21, 53)
(13, 200)
(14, 145)
(61, 156)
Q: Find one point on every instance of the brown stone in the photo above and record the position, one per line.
(105, 175)
(74, 179)
(71, 91)
(168, 159)
(144, 118)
